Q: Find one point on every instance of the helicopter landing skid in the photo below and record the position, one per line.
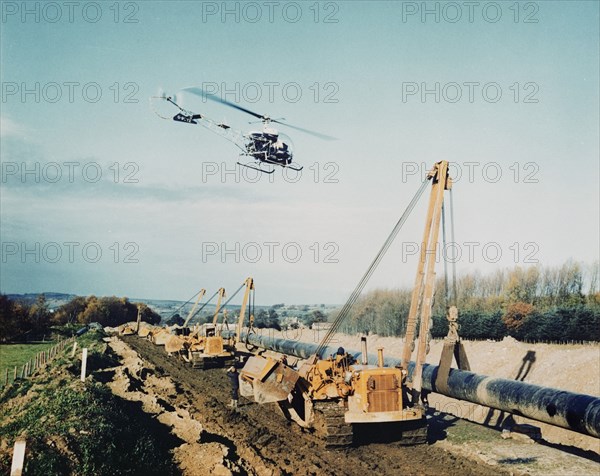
(291, 167)
(257, 168)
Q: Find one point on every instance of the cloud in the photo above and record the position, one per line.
(10, 128)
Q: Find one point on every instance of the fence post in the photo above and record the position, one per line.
(83, 363)
(15, 376)
(16, 468)
(6, 378)
(74, 349)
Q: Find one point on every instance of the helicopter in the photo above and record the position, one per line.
(266, 148)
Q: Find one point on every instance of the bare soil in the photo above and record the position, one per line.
(257, 440)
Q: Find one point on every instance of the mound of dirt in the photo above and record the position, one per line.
(137, 380)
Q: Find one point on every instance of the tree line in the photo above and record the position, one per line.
(536, 304)
(20, 321)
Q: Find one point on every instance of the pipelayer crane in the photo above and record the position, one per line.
(205, 345)
(337, 395)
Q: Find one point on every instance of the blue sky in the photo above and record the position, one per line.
(361, 80)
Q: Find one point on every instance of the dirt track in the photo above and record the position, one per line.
(260, 441)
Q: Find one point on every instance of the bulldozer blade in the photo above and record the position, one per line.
(246, 389)
(161, 337)
(174, 344)
(271, 381)
(273, 391)
(144, 331)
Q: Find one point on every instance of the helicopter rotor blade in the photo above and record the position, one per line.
(306, 131)
(200, 92)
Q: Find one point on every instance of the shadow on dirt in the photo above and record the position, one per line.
(439, 424)
(587, 454)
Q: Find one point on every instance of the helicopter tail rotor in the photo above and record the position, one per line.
(158, 104)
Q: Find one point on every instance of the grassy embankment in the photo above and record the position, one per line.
(74, 427)
(15, 355)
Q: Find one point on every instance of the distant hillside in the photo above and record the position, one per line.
(166, 307)
(54, 300)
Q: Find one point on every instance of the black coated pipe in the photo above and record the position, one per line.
(574, 411)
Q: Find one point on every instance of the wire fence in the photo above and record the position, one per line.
(39, 362)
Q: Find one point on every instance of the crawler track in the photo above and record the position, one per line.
(329, 416)
(266, 443)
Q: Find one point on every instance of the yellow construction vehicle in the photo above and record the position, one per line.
(161, 335)
(190, 339)
(337, 395)
(206, 345)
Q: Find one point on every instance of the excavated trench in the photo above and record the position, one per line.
(259, 440)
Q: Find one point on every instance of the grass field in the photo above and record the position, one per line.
(18, 354)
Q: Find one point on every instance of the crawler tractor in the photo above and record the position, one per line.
(205, 345)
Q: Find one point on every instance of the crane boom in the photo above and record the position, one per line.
(422, 294)
(218, 307)
(201, 294)
(249, 287)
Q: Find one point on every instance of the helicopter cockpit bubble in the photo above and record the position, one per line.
(284, 148)
(285, 139)
(270, 131)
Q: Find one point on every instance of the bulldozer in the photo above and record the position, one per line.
(161, 335)
(341, 396)
(206, 345)
(185, 340)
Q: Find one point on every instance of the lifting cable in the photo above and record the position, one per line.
(454, 290)
(251, 309)
(363, 282)
(451, 297)
(184, 304)
(232, 296)
(446, 291)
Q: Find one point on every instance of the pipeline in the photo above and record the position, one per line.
(573, 411)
